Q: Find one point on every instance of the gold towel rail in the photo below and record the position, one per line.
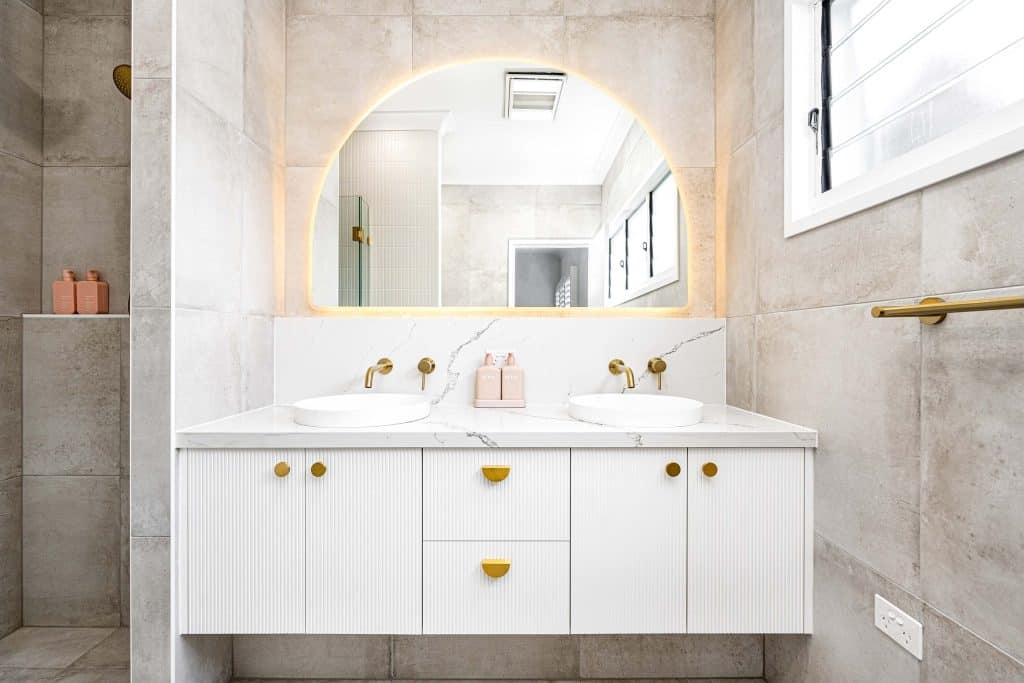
(932, 310)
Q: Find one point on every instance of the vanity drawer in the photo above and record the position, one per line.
(531, 597)
(530, 502)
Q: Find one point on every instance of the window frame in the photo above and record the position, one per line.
(984, 140)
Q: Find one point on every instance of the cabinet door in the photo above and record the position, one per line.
(242, 541)
(746, 540)
(628, 541)
(363, 549)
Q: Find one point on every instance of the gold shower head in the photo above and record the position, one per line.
(123, 79)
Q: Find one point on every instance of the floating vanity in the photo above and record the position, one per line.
(495, 522)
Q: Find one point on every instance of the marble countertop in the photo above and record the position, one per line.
(536, 426)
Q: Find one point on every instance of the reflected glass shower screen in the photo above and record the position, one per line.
(354, 244)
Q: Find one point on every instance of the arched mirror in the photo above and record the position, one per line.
(493, 184)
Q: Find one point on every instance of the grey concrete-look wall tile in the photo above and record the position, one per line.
(202, 658)
(734, 74)
(48, 647)
(208, 372)
(349, 7)
(21, 81)
(124, 482)
(972, 472)
(151, 40)
(11, 557)
(151, 193)
(264, 88)
(488, 7)
(151, 422)
(485, 657)
(151, 609)
(845, 646)
(768, 60)
(258, 362)
(208, 206)
(111, 653)
(87, 226)
(952, 654)
(72, 551)
(10, 398)
(971, 237)
(856, 381)
(741, 350)
(94, 7)
(209, 55)
(439, 40)
(670, 656)
(262, 217)
(85, 119)
(311, 656)
(72, 396)
(667, 8)
(740, 220)
(21, 192)
(37, 5)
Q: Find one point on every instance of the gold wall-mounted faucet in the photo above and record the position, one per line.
(425, 366)
(617, 367)
(383, 366)
(656, 366)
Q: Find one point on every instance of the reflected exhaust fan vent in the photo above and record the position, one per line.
(532, 96)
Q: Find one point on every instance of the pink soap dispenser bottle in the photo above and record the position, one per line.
(488, 380)
(64, 293)
(511, 380)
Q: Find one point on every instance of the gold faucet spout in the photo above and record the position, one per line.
(383, 366)
(617, 367)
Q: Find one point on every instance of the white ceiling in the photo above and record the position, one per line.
(481, 147)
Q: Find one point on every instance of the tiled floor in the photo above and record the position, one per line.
(74, 655)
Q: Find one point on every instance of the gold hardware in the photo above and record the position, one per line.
(496, 568)
(425, 366)
(709, 469)
(123, 79)
(318, 469)
(384, 366)
(673, 469)
(495, 473)
(282, 469)
(656, 366)
(933, 310)
(358, 234)
(617, 367)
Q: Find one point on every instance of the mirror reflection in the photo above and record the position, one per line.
(499, 184)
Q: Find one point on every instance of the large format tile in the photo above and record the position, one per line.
(302, 187)
(262, 217)
(769, 22)
(110, 653)
(670, 90)
(85, 120)
(151, 609)
(258, 361)
(72, 551)
(151, 40)
(151, 422)
(10, 398)
(21, 189)
(11, 557)
(740, 361)
(671, 656)
(72, 396)
(208, 366)
(264, 85)
(208, 208)
(488, 7)
(846, 646)
(662, 8)
(151, 193)
(953, 654)
(209, 55)
(364, 57)
(972, 472)
(485, 657)
(972, 229)
(21, 81)
(734, 74)
(741, 236)
(45, 648)
(365, 657)
(95, 7)
(87, 226)
(856, 380)
(202, 658)
(349, 7)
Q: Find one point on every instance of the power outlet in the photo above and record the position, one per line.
(900, 626)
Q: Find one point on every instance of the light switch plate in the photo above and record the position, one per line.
(900, 626)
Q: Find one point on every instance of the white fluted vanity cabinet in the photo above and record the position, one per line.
(553, 527)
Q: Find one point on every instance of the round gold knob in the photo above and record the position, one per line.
(318, 469)
(282, 469)
(709, 469)
(673, 469)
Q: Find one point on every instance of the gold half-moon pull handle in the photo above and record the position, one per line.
(496, 568)
(709, 469)
(673, 469)
(318, 469)
(495, 473)
(282, 469)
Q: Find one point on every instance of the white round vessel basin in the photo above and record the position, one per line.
(360, 410)
(636, 410)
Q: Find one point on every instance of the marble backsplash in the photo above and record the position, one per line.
(561, 357)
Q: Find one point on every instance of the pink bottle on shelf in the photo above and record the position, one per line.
(92, 297)
(64, 293)
(512, 380)
(488, 380)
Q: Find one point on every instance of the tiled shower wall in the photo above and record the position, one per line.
(919, 476)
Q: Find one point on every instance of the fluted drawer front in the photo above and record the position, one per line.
(531, 503)
(746, 540)
(243, 541)
(460, 598)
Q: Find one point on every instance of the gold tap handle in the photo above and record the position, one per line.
(657, 366)
(425, 366)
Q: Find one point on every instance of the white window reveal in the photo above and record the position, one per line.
(884, 97)
(643, 239)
